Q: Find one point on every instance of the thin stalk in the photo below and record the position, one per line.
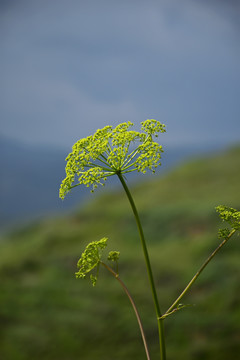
(132, 155)
(149, 269)
(130, 158)
(104, 162)
(105, 175)
(92, 165)
(133, 305)
(172, 307)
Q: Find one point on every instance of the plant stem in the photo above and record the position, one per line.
(133, 305)
(149, 270)
(199, 272)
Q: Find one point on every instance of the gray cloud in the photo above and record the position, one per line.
(70, 68)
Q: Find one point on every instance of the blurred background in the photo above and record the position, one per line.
(68, 68)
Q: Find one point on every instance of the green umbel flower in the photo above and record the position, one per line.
(90, 259)
(112, 151)
(113, 256)
(231, 216)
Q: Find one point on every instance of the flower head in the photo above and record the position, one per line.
(231, 216)
(90, 259)
(112, 151)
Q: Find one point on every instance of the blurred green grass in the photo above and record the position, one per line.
(46, 313)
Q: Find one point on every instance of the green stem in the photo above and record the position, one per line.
(149, 269)
(133, 305)
(173, 306)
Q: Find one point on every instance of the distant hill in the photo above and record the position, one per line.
(30, 178)
(29, 181)
(45, 313)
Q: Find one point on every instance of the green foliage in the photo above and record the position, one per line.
(107, 152)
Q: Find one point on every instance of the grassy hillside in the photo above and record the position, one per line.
(45, 313)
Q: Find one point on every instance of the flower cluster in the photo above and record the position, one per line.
(113, 256)
(231, 216)
(90, 259)
(112, 151)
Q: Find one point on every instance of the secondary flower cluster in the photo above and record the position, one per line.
(109, 151)
(231, 216)
(90, 259)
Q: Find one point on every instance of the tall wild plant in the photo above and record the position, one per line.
(118, 151)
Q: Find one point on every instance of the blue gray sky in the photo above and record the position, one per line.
(71, 66)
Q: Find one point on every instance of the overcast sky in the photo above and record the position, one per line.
(71, 66)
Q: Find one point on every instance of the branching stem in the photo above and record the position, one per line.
(173, 306)
(133, 305)
(149, 269)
